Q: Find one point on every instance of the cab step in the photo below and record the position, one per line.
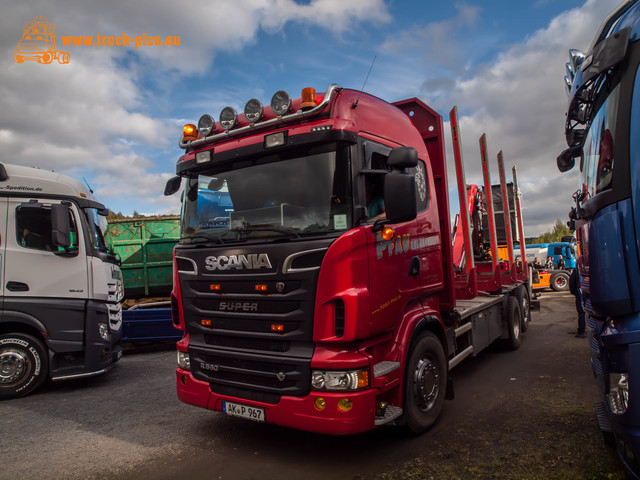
(390, 414)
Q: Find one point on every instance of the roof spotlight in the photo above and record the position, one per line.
(280, 102)
(206, 124)
(228, 118)
(253, 110)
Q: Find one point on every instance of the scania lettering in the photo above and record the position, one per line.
(61, 316)
(602, 132)
(310, 313)
(238, 262)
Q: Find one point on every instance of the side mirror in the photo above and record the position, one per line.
(60, 229)
(400, 196)
(567, 159)
(172, 186)
(403, 157)
(216, 184)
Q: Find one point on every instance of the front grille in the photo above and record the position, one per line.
(276, 375)
(251, 332)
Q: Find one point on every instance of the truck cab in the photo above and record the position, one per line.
(60, 287)
(603, 119)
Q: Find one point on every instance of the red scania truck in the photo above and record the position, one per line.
(328, 300)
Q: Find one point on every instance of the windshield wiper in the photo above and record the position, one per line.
(200, 239)
(267, 228)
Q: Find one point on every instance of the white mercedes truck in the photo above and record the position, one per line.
(60, 313)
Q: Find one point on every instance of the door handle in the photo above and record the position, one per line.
(17, 287)
(414, 267)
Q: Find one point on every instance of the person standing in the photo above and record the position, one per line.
(574, 288)
(560, 265)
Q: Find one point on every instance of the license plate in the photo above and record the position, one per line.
(244, 411)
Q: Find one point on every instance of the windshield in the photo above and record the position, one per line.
(97, 228)
(293, 197)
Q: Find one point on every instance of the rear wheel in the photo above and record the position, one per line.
(559, 281)
(522, 294)
(514, 321)
(425, 383)
(23, 365)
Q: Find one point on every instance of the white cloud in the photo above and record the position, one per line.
(96, 117)
(520, 102)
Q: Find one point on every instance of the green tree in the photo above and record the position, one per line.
(558, 231)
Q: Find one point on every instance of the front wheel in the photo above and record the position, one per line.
(23, 365)
(425, 383)
(559, 281)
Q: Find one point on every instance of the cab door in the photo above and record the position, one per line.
(33, 265)
(3, 242)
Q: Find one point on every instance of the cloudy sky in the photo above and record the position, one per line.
(113, 115)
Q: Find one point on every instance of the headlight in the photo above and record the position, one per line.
(618, 396)
(103, 330)
(340, 381)
(280, 102)
(228, 118)
(253, 110)
(206, 124)
(183, 360)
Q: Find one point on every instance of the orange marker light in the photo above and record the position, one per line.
(388, 233)
(190, 132)
(205, 322)
(308, 98)
(214, 287)
(262, 288)
(277, 327)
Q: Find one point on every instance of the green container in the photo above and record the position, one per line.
(145, 248)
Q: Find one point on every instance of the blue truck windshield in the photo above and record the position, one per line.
(293, 197)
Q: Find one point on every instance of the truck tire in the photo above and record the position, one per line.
(559, 281)
(46, 58)
(425, 384)
(514, 320)
(522, 294)
(23, 365)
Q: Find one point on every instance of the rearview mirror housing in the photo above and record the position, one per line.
(567, 159)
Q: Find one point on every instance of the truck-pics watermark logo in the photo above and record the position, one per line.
(38, 43)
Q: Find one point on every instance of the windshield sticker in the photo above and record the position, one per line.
(340, 222)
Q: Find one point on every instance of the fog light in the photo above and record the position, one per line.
(103, 330)
(183, 360)
(345, 404)
(618, 396)
(320, 403)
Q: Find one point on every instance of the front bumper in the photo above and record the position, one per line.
(293, 412)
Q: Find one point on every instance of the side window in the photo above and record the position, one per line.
(597, 164)
(375, 167)
(557, 250)
(33, 229)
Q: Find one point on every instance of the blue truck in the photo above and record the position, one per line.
(603, 121)
(556, 249)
